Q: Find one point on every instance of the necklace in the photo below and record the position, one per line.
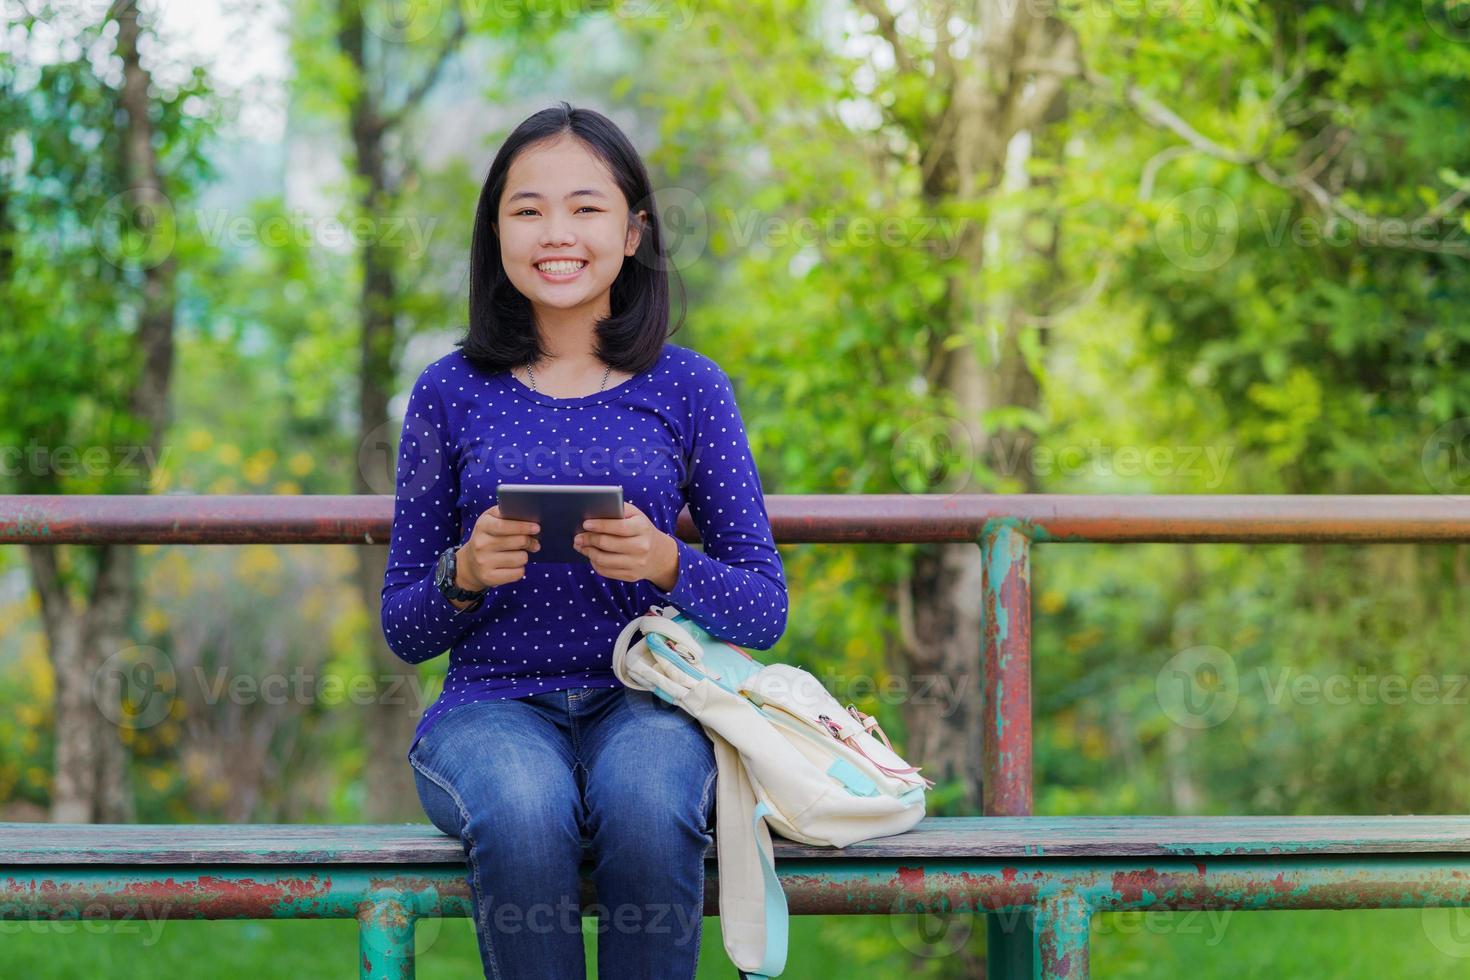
(605, 371)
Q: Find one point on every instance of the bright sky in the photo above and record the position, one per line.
(243, 47)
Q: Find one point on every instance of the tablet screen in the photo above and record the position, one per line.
(560, 509)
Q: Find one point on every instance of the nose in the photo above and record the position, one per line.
(557, 233)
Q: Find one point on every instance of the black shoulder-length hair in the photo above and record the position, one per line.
(501, 333)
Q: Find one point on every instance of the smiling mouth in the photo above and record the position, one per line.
(560, 271)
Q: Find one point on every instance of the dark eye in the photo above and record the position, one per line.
(523, 211)
(587, 207)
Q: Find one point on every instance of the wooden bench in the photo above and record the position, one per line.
(1044, 876)
(1039, 878)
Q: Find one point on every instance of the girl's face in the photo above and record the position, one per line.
(560, 203)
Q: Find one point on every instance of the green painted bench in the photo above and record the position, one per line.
(1038, 879)
(1041, 875)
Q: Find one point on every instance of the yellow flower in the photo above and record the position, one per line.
(198, 440)
(155, 620)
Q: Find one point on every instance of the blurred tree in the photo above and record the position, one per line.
(89, 277)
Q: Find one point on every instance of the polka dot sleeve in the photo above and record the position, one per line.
(736, 587)
(418, 621)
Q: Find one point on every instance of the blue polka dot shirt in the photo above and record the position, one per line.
(671, 436)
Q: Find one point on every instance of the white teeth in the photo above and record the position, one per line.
(560, 268)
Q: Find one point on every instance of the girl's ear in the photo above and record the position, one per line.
(636, 224)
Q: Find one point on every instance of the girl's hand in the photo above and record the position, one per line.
(629, 548)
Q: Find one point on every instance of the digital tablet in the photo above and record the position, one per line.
(560, 509)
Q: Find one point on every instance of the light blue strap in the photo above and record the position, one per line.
(777, 918)
(853, 778)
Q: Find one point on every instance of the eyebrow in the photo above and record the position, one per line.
(584, 192)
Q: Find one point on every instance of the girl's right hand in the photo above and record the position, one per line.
(496, 552)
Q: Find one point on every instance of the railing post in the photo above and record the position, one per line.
(1062, 923)
(1005, 621)
(385, 941)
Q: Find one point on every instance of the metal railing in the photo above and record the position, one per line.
(1005, 527)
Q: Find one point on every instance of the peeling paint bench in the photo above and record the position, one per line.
(1036, 880)
(1041, 876)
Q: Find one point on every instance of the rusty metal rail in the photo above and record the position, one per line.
(834, 518)
(1004, 526)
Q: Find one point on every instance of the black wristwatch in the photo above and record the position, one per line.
(444, 578)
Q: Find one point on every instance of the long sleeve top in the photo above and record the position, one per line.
(671, 436)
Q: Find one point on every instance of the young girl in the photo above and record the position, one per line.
(565, 375)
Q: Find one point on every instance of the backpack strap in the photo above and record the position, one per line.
(753, 915)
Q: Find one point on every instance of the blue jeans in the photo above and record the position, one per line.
(522, 781)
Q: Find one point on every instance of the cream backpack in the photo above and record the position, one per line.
(790, 758)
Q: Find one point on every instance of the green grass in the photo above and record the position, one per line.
(1201, 946)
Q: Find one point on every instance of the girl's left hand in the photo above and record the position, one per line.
(627, 548)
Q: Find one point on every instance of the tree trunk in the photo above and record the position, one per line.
(390, 794)
(991, 102)
(91, 781)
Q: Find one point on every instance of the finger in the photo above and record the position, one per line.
(622, 526)
(511, 526)
(610, 560)
(609, 543)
